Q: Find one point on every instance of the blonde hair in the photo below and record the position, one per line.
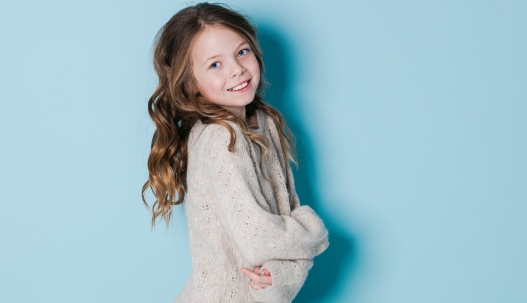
(175, 106)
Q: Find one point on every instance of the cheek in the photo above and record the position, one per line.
(208, 83)
(217, 84)
(255, 68)
(212, 87)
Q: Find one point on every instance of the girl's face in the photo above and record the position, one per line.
(225, 68)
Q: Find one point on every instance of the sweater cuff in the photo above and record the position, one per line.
(312, 222)
(288, 278)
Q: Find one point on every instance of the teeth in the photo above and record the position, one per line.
(240, 86)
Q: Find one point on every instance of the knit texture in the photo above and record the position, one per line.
(238, 219)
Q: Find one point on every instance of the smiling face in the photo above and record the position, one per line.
(225, 68)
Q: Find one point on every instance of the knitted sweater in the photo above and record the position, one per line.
(238, 219)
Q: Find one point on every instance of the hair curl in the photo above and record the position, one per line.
(175, 106)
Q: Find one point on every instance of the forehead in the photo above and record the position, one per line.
(213, 41)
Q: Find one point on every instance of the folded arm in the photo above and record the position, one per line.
(259, 234)
(288, 278)
(288, 275)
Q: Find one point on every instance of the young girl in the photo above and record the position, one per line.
(221, 147)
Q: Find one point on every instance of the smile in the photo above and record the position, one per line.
(240, 86)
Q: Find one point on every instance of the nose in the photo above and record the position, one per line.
(237, 69)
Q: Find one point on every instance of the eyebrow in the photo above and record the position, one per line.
(215, 56)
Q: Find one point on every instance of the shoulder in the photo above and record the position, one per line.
(214, 136)
(271, 126)
(268, 121)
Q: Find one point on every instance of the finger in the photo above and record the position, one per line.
(258, 286)
(264, 280)
(257, 269)
(266, 272)
(264, 285)
(250, 274)
(257, 278)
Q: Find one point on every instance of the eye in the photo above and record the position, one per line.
(215, 65)
(243, 52)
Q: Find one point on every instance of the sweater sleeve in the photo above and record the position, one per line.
(288, 278)
(259, 235)
(288, 275)
(295, 205)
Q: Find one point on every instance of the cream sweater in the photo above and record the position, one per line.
(238, 219)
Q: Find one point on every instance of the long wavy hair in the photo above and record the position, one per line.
(176, 105)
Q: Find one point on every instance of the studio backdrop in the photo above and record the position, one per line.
(411, 129)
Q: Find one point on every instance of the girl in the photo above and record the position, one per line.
(221, 147)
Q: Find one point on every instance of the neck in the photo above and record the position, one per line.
(238, 111)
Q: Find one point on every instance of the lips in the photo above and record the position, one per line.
(240, 86)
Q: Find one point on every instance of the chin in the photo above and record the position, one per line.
(247, 101)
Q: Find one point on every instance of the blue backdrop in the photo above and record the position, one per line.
(411, 127)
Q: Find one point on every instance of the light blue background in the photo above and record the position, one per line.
(411, 127)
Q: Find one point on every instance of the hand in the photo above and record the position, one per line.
(258, 281)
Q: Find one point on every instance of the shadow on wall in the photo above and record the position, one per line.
(336, 265)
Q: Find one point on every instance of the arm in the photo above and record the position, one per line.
(295, 206)
(237, 198)
(288, 278)
(288, 275)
